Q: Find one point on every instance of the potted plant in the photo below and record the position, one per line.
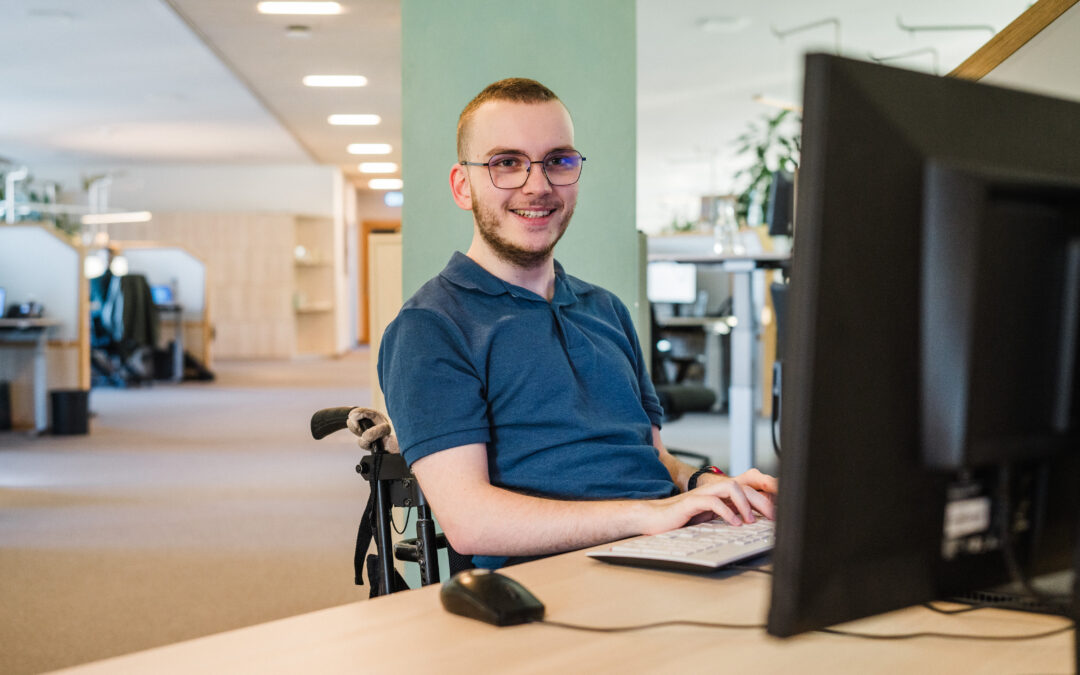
(771, 147)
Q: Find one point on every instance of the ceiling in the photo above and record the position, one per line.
(211, 81)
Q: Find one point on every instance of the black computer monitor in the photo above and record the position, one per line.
(781, 204)
(930, 426)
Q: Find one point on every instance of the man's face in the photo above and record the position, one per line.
(520, 226)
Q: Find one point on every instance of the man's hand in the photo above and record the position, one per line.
(732, 498)
(762, 482)
(381, 431)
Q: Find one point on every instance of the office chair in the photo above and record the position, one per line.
(676, 396)
(124, 330)
(392, 484)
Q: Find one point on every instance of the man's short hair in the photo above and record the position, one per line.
(515, 89)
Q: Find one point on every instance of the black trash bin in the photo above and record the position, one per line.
(5, 405)
(70, 411)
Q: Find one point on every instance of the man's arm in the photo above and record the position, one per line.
(479, 518)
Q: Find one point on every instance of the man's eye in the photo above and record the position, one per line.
(505, 162)
(560, 161)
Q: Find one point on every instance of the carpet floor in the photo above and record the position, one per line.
(188, 510)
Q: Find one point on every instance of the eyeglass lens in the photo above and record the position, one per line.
(511, 170)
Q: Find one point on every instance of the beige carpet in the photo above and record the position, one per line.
(188, 510)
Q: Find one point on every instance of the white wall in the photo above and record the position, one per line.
(304, 189)
(370, 206)
(173, 267)
(36, 265)
(1049, 63)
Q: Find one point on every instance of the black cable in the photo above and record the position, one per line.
(961, 610)
(408, 517)
(748, 568)
(830, 631)
(775, 415)
(951, 636)
(646, 626)
(1016, 572)
(775, 438)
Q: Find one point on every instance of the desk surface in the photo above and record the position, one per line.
(690, 321)
(763, 259)
(410, 632)
(23, 324)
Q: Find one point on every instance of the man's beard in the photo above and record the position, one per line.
(487, 222)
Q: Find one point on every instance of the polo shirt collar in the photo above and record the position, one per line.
(465, 272)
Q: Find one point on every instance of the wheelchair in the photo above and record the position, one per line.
(393, 484)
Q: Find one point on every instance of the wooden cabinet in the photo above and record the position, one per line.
(313, 298)
(268, 301)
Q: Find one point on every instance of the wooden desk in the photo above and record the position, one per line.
(35, 332)
(410, 632)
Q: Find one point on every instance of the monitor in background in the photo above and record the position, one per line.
(671, 282)
(930, 374)
(781, 211)
(162, 294)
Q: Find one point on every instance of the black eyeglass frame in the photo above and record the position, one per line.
(528, 168)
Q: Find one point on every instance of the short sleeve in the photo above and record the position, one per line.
(434, 391)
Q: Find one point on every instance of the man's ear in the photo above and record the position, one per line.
(460, 187)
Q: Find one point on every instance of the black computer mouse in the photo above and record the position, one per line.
(490, 597)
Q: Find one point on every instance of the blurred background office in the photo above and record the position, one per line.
(206, 224)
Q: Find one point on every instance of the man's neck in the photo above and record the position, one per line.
(539, 279)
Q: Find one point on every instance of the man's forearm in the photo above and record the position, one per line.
(479, 518)
(497, 521)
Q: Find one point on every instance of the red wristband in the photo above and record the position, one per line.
(692, 483)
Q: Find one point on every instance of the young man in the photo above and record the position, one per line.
(519, 393)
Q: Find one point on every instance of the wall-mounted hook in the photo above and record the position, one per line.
(798, 29)
(915, 52)
(917, 29)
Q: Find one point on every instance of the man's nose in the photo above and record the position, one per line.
(536, 182)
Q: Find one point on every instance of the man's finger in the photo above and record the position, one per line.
(761, 501)
(724, 511)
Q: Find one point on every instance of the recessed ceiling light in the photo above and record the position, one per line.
(722, 24)
(335, 80)
(299, 7)
(385, 184)
(377, 167)
(369, 148)
(120, 217)
(354, 120)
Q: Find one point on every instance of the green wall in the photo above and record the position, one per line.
(586, 52)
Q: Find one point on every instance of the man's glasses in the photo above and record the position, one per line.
(510, 170)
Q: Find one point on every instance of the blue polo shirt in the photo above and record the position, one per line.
(557, 390)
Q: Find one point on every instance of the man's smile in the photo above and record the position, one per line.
(533, 213)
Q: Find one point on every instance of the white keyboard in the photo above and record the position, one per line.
(702, 547)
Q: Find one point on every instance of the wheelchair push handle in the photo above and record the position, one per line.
(329, 420)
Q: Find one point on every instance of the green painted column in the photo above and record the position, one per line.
(586, 52)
